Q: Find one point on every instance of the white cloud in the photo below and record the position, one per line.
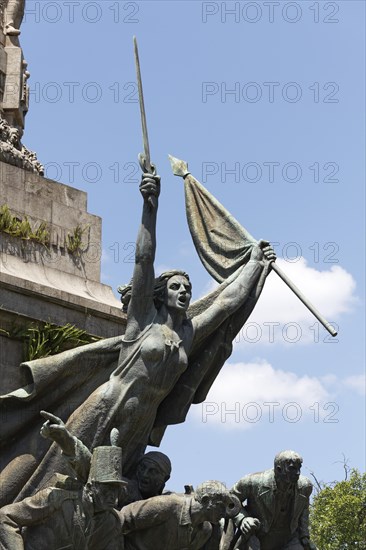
(331, 292)
(357, 383)
(257, 392)
(330, 380)
(280, 317)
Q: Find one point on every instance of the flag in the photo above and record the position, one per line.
(222, 244)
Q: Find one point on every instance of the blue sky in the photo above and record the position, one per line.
(265, 100)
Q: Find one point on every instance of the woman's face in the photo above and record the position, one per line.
(179, 292)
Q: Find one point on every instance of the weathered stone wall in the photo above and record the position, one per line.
(63, 208)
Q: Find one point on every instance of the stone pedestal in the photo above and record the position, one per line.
(41, 283)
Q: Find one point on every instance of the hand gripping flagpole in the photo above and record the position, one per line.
(180, 168)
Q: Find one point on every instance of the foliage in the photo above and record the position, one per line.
(6, 219)
(50, 339)
(338, 515)
(75, 240)
(22, 228)
(42, 341)
(17, 227)
(42, 234)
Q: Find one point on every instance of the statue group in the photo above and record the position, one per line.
(122, 393)
(89, 483)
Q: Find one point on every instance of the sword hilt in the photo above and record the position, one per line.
(147, 168)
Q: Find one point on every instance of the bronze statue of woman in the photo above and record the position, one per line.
(141, 382)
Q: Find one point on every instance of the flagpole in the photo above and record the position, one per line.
(304, 300)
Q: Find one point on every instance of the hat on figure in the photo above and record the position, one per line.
(106, 465)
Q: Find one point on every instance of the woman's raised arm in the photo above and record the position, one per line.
(141, 308)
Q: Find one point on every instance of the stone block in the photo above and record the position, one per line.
(3, 60)
(66, 216)
(63, 208)
(58, 192)
(14, 199)
(14, 77)
(39, 209)
(11, 176)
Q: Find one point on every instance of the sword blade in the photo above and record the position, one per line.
(145, 136)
